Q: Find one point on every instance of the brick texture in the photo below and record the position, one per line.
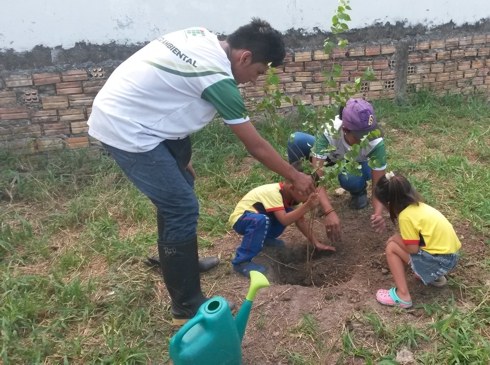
(45, 110)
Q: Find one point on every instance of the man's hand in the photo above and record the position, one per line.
(378, 223)
(191, 170)
(303, 183)
(332, 227)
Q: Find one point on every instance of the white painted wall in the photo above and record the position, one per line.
(27, 23)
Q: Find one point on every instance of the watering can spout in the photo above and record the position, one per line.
(257, 281)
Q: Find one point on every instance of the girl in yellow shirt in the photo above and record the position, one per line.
(427, 241)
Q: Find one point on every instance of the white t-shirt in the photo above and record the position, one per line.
(169, 89)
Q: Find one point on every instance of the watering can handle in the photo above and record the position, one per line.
(177, 339)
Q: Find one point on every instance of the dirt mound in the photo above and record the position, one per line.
(331, 287)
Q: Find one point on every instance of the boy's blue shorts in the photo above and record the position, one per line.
(430, 267)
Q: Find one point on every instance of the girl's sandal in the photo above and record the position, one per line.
(389, 297)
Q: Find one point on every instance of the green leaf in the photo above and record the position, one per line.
(337, 69)
(328, 46)
(369, 74)
(344, 16)
(342, 43)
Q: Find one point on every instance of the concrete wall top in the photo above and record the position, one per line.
(63, 23)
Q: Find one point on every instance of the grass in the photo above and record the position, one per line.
(449, 164)
(454, 337)
(71, 227)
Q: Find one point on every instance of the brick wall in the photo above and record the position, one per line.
(42, 111)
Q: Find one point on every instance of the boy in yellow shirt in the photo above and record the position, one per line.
(261, 217)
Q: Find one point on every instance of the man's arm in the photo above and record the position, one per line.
(260, 149)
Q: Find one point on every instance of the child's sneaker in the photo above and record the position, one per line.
(359, 200)
(244, 268)
(439, 282)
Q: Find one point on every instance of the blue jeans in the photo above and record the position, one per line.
(255, 228)
(170, 187)
(299, 147)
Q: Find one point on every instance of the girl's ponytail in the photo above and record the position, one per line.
(395, 192)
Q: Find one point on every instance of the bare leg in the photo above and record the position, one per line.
(397, 259)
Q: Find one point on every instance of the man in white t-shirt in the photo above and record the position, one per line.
(150, 106)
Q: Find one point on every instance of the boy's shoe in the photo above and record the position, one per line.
(244, 268)
(359, 200)
(439, 282)
(274, 242)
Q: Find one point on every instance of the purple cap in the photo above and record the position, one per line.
(358, 115)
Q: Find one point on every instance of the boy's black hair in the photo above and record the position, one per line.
(396, 193)
(265, 43)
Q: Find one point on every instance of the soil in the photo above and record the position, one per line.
(332, 287)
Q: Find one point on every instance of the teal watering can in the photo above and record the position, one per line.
(213, 336)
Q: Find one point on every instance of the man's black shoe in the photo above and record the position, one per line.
(205, 264)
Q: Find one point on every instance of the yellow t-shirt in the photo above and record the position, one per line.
(268, 197)
(425, 226)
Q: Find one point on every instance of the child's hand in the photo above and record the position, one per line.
(322, 247)
(313, 201)
(378, 223)
(332, 227)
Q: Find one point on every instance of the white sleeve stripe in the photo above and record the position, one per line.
(237, 121)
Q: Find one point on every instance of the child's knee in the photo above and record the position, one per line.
(393, 246)
(390, 246)
(396, 239)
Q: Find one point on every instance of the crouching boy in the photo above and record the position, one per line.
(261, 217)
